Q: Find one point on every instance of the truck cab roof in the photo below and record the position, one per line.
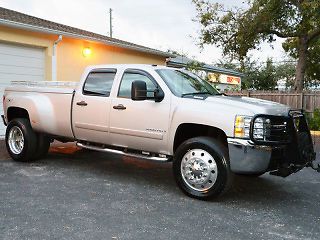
(124, 66)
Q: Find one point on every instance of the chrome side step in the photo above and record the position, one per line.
(109, 150)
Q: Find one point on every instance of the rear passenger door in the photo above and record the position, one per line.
(91, 106)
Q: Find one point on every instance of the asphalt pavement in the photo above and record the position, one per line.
(79, 194)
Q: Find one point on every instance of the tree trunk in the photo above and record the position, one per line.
(301, 65)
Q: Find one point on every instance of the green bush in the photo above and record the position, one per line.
(314, 121)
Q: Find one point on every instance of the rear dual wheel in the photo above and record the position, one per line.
(201, 168)
(23, 144)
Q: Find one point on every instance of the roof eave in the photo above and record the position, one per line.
(24, 26)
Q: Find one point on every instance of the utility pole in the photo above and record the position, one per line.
(110, 22)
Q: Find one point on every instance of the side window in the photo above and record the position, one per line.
(99, 83)
(128, 78)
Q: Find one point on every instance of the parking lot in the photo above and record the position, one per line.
(78, 194)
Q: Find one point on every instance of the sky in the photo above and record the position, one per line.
(165, 24)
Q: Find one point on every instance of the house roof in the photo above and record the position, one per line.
(23, 21)
(181, 61)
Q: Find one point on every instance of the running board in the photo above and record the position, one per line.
(109, 150)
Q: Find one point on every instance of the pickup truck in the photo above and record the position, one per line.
(161, 114)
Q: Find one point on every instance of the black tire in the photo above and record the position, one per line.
(29, 144)
(220, 155)
(42, 146)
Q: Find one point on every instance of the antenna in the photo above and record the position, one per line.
(110, 22)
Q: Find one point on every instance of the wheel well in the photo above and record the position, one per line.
(189, 130)
(16, 112)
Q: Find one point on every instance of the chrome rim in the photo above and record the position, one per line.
(199, 170)
(16, 140)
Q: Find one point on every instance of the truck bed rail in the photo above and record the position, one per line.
(45, 84)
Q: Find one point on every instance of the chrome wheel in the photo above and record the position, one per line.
(199, 170)
(16, 140)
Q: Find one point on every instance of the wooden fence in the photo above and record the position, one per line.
(309, 101)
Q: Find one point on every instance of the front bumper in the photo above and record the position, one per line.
(282, 157)
(247, 158)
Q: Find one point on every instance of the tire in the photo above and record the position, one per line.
(21, 140)
(42, 146)
(201, 168)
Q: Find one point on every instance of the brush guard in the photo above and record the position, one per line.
(297, 145)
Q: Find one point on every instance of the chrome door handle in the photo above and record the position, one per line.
(82, 103)
(119, 107)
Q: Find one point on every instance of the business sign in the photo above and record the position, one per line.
(225, 79)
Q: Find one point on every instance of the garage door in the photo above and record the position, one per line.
(19, 63)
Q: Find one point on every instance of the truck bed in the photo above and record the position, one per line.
(49, 105)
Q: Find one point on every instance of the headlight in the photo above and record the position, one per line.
(268, 129)
(261, 128)
(242, 126)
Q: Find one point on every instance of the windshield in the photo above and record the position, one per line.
(183, 83)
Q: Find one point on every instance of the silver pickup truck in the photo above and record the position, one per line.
(161, 114)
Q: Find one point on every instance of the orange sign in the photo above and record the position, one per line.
(226, 79)
(233, 80)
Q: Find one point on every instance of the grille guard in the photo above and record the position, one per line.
(298, 146)
(266, 142)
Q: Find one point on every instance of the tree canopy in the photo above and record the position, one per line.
(237, 30)
(262, 76)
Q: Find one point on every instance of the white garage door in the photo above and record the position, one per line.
(19, 63)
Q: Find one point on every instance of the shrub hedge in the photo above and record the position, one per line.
(314, 121)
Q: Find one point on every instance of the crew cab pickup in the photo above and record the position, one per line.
(161, 114)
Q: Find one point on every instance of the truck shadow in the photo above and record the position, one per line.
(127, 170)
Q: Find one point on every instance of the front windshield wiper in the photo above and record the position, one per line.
(195, 93)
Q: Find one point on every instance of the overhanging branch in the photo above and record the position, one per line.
(281, 35)
(314, 34)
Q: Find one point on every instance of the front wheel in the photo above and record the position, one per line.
(21, 140)
(201, 168)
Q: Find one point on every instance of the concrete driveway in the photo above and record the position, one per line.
(78, 194)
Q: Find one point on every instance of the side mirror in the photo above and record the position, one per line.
(158, 95)
(139, 91)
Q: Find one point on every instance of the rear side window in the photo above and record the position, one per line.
(128, 78)
(99, 83)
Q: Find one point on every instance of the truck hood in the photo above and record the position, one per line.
(254, 105)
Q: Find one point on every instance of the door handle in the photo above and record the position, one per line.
(119, 107)
(82, 103)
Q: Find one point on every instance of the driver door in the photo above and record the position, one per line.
(141, 125)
